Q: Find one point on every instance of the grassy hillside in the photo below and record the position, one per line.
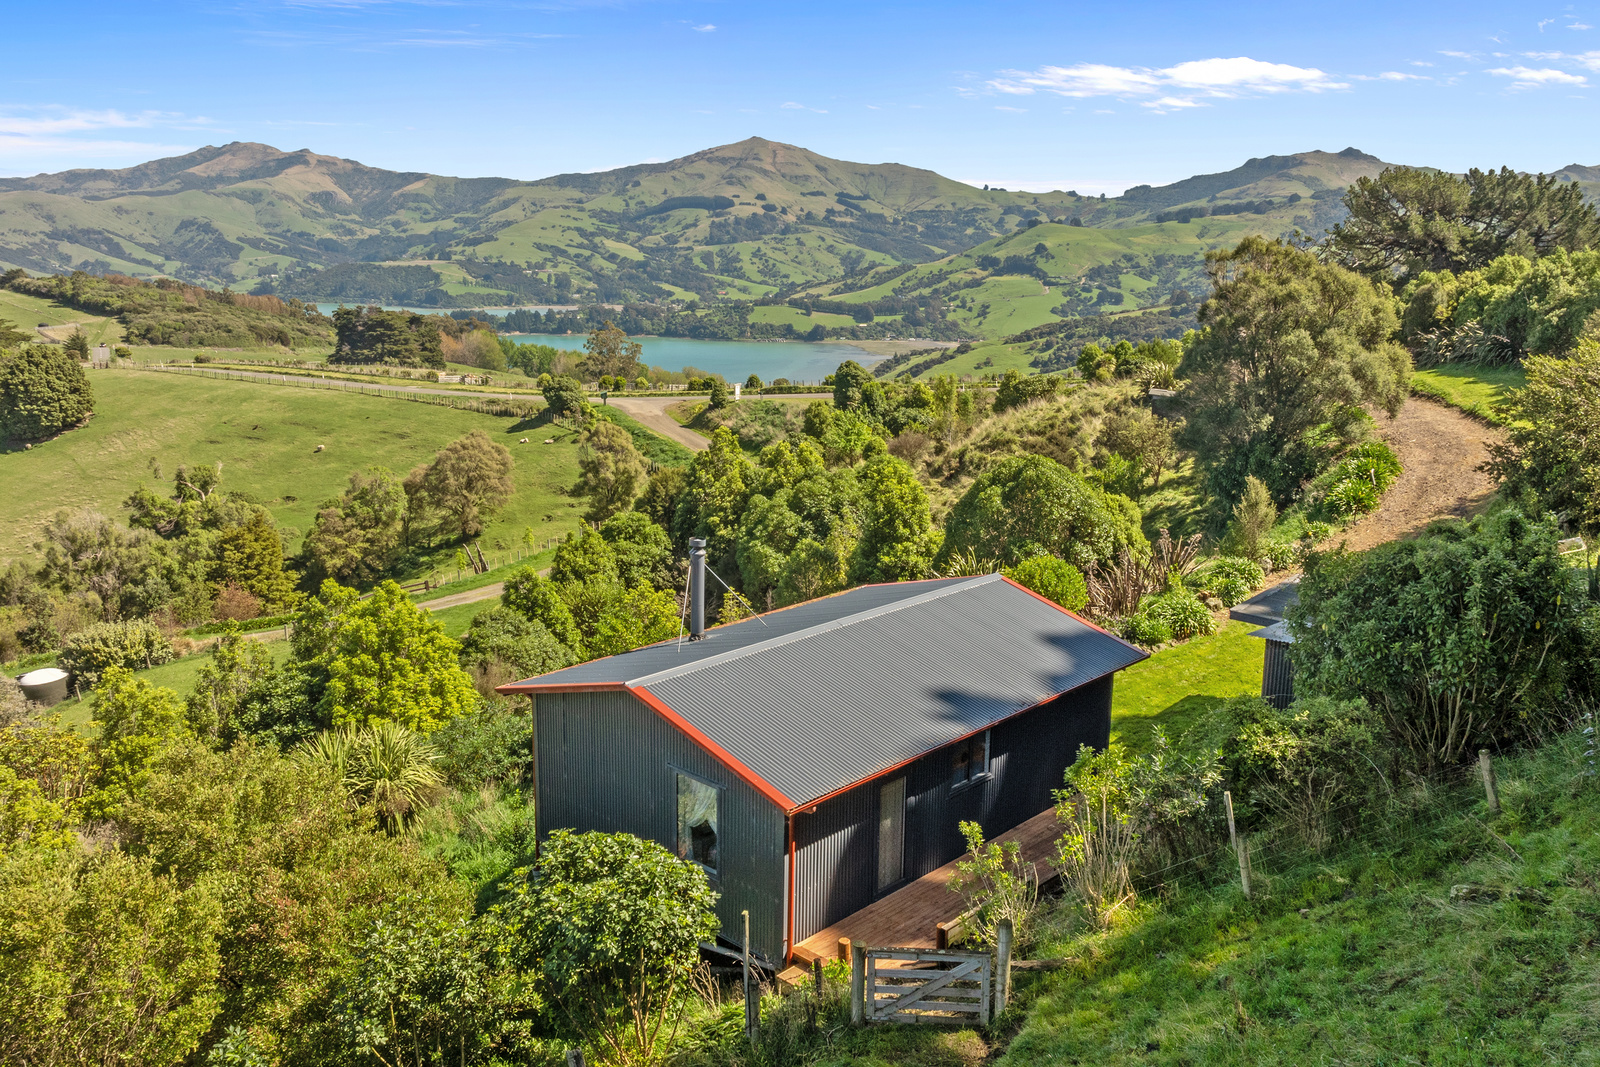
(1368, 953)
(28, 312)
(266, 439)
(742, 219)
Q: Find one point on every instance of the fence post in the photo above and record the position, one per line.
(1239, 846)
(1486, 769)
(1002, 965)
(858, 981)
(752, 1010)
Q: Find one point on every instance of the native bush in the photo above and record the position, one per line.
(1098, 815)
(1052, 578)
(1356, 484)
(995, 884)
(42, 392)
(1145, 630)
(136, 644)
(501, 637)
(1231, 579)
(1471, 635)
(1180, 611)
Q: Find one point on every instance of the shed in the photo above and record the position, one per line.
(1266, 609)
(816, 759)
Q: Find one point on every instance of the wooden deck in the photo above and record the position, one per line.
(909, 917)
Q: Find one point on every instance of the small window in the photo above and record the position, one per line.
(698, 821)
(970, 761)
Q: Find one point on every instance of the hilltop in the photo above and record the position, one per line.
(747, 219)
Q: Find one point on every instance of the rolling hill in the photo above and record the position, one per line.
(746, 219)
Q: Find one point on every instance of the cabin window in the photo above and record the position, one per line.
(698, 821)
(970, 763)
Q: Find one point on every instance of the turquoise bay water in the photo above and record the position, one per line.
(798, 361)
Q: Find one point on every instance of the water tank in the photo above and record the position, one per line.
(47, 685)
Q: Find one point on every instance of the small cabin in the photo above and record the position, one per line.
(1267, 610)
(815, 759)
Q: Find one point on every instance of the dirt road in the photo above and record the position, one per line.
(651, 413)
(1440, 449)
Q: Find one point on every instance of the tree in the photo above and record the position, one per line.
(237, 666)
(721, 398)
(1253, 518)
(381, 763)
(611, 468)
(1407, 220)
(713, 500)
(1027, 505)
(897, 539)
(633, 618)
(501, 636)
(387, 660)
(848, 382)
(77, 345)
(136, 720)
(1016, 390)
(43, 391)
(1467, 636)
(609, 927)
(564, 397)
(754, 383)
(1291, 351)
(250, 555)
(661, 494)
(642, 550)
(1052, 578)
(398, 338)
(610, 353)
(357, 537)
(1137, 434)
(583, 556)
(536, 598)
(1552, 447)
(468, 480)
(815, 568)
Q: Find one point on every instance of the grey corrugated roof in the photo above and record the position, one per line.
(835, 691)
(1267, 606)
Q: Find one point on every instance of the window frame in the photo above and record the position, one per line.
(677, 819)
(970, 746)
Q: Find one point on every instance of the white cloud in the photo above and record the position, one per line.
(1420, 63)
(707, 28)
(1537, 77)
(1460, 55)
(1580, 26)
(1013, 110)
(1398, 76)
(1591, 60)
(790, 105)
(1543, 23)
(1182, 86)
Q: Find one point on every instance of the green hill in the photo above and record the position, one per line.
(741, 220)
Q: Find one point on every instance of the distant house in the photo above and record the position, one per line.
(817, 758)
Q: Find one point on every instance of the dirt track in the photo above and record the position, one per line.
(651, 413)
(1440, 449)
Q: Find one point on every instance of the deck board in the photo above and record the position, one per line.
(907, 917)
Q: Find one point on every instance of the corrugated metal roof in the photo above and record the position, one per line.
(838, 690)
(1267, 606)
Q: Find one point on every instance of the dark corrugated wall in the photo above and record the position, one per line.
(606, 761)
(1277, 675)
(837, 846)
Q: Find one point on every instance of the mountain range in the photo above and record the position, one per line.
(753, 219)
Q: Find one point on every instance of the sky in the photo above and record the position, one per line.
(1062, 95)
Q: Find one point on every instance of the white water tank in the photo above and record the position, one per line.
(47, 685)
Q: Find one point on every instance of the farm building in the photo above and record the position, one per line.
(818, 759)
(1266, 609)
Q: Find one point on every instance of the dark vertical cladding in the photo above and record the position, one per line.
(607, 762)
(1277, 675)
(837, 843)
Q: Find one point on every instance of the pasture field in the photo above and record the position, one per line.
(26, 312)
(266, 438)
(797, 318)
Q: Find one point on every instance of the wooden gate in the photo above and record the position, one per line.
(912, 985)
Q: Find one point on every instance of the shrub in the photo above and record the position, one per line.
(42, 392)
(1356, 484)
(1181, 611)
(136, 645)
(1146, 630)
(1231, 579)
(236, 603)
(1052, 578)
(501, 635)
(1253, 516)
(995, 884)
(489, 745)
(1281, 555)
(384, 764)
(1096, 852)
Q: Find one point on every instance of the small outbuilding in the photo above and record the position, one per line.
(1266, 609)
(816, 759)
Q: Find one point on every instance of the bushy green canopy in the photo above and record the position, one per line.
(1028, 505)
(43, 391)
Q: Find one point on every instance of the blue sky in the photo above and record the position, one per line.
(1038, 96)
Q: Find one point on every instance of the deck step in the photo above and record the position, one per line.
(804, 956)
(794, 977)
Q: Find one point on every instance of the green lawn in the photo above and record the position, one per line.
(797, 318)
(1474, 390)
(26, 312)
(265, 437)
(1176, 686)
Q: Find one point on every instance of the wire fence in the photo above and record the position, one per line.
(507, 406)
